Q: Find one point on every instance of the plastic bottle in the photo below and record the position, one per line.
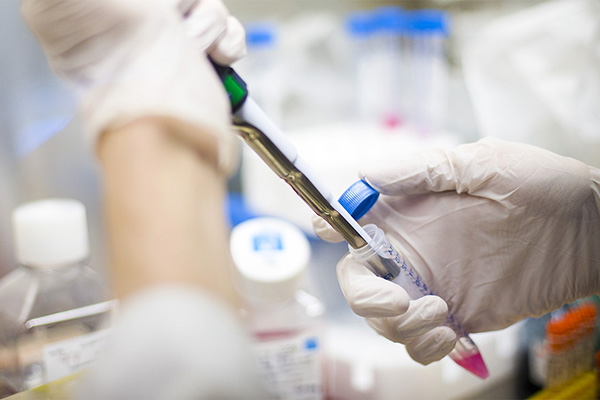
(388, 56)
(360, 26)
(271, 256)
(53, 307)
(427, 81)
(376, 38)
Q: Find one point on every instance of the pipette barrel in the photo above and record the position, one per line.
(380, 257)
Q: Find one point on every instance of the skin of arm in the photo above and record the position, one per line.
(164, 208)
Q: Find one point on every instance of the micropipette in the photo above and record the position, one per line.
(372, 248)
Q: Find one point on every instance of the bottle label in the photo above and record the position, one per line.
(290, 363)
(69, 356)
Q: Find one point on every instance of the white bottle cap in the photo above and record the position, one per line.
(50, 233)
(270, 256)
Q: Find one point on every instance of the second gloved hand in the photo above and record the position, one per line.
(501, 231)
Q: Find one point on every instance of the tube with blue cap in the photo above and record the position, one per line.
(381, 258)
(368, 244)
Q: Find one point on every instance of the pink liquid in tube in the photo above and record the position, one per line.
(467, 355)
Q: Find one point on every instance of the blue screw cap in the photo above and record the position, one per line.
(358, 199)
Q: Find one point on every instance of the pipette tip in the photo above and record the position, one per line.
(474, 363)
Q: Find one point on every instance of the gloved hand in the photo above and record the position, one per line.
(138, 58)
(501, 231)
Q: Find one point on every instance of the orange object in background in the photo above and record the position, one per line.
(570, 343)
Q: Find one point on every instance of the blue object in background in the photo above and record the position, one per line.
(360, 24)
(237, 210)
(38, 132)
(260, 34)
(428, 22)
(390, 20)
(311, 343)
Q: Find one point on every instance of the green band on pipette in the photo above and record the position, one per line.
(237, 93)
(233, 84)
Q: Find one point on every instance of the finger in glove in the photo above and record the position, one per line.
(367, 294)
(215, 31)
(423, 315)
(323, 230)
(432, 346)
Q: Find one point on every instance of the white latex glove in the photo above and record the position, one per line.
(138, 58)
(501, 231)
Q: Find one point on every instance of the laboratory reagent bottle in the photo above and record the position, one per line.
(271, 257)
(54, 309)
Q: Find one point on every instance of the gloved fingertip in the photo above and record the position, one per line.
(323, 230)
(432, 308)
(377, 178)
(423, 315)
(432, 346)
(184, 7)
(370, 296)
(417, 173)
(370, 307)
(231, 47)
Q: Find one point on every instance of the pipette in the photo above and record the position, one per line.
(372, 248)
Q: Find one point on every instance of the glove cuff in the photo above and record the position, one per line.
(114, 106)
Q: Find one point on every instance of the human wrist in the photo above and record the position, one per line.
(149, 170)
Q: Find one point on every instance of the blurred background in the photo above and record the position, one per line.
(352, 83)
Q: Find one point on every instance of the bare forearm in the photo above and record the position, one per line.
(164, 205)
